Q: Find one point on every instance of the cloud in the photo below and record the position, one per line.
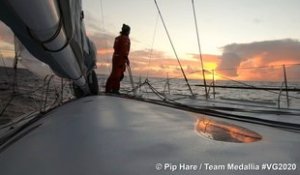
(257, 20)
(205, 57)
(161, 64)
(102, 38)
(6, 41)
(293, 72)
(228, 60)
(236, 57)
(92, 22)
(104, 42)
(6, 35)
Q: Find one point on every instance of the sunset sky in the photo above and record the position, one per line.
(236, 36)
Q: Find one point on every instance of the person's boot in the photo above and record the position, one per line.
(115, 92)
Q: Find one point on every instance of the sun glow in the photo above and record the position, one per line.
(161, 65)
(105, 51)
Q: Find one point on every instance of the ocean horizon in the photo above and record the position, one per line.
(178, 86)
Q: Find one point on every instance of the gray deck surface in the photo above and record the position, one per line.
(110, 135)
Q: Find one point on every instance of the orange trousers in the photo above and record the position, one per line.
(116, 76)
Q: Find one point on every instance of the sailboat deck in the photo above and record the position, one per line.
(111, 135)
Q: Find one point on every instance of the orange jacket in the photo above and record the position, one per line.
(122, 48)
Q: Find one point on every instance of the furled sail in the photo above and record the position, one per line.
(53, 31)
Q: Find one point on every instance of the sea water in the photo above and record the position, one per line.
(178, 87)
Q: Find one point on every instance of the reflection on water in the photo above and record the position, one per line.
(222, 131)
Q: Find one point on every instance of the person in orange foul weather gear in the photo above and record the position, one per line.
(119, 60)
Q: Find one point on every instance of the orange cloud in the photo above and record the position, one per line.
(238, 61)
(160, 65)
(103, 51)
(260, 61)
(7, 53)
(6, 35)
(255, 70)
(6, 41)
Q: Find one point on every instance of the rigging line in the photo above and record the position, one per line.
(156, 92)
(237, 81)
(103, 28)
(13, 123)
(212, 111)
(17, 45)
(6, 105)
(227, 78)
(199, 48)
(244, 68)
(245, 84)
(102, 14)
(260, 67)
(152, 45)
(4, 65)
(170, 40)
